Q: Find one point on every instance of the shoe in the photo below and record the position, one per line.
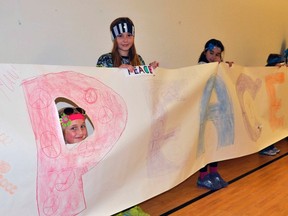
(268, 152)
(276, 150)
(136, 210)
(206, 182)
(215, 177)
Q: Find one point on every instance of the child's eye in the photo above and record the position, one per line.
(83, 126)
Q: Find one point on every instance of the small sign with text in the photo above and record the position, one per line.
(141, 70)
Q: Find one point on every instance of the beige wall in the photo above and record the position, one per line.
(76, 32)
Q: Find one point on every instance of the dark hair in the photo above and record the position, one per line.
(133, 57)
(209, 44)
(274, 59)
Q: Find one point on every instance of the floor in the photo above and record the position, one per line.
(257, 186)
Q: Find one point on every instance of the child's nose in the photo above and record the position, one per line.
(80, 131)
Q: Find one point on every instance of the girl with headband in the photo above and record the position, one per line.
(211, 180)
(73, 124)
(212, 52)
(123, 54)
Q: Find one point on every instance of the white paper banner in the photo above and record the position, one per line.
(148, 132)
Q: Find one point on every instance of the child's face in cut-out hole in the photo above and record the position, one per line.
(75, 132)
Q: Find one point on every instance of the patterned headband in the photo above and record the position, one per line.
(122, 27)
